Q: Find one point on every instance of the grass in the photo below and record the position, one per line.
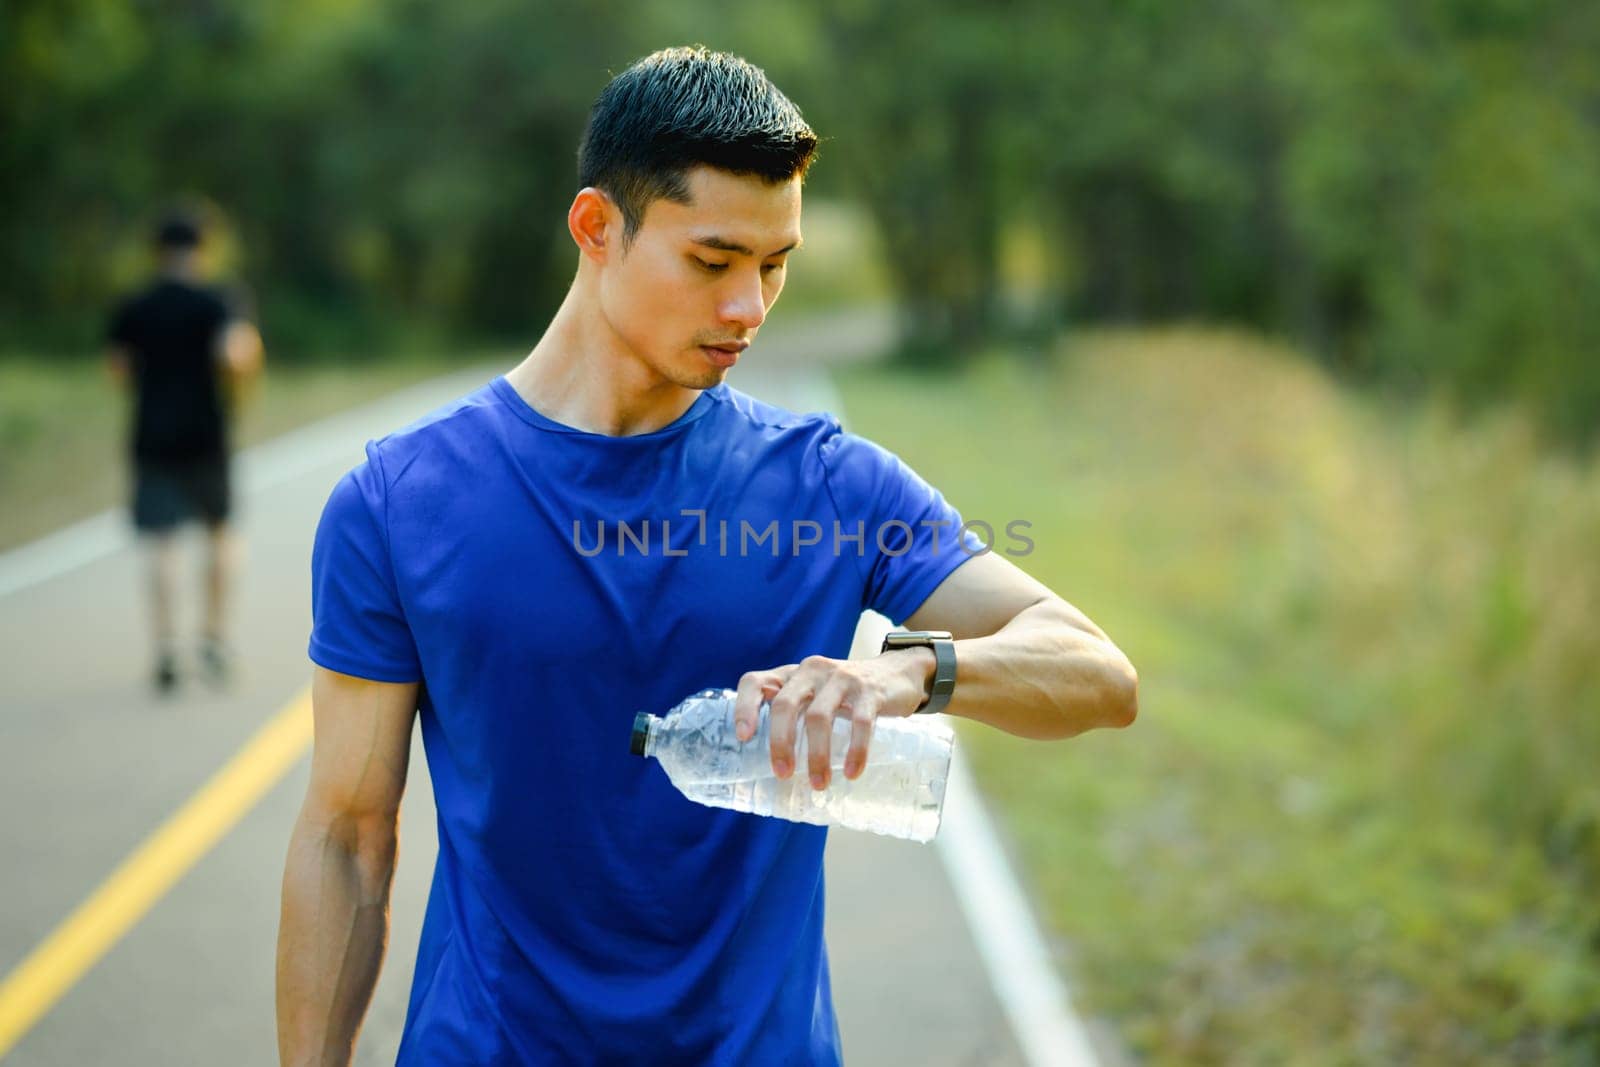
(1358, 820)
(63, 428)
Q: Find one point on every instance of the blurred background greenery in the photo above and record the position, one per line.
(1406, 191)
(1273, 316)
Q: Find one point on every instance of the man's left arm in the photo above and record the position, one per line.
(119, 350)
(1027, 662)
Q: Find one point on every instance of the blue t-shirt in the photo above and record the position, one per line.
(545, 584)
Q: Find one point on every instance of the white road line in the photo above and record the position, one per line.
(263, 467)
(65, 550)
(1034, 997)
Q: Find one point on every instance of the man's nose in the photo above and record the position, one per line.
(742, 303)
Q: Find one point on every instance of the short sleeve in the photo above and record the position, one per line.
(222, 313)
(913, 538)
(236, 303)
(358, 625)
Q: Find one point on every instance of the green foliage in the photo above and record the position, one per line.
(394, 162)
(1412, 191)
(1357, 820)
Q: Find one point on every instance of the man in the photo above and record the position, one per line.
(582, 910)
(181, 346)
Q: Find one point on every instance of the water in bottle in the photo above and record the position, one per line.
(900, 793)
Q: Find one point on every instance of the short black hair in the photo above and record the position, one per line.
(179, 228)
(682, 107)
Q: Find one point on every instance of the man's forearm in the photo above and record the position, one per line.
(1049, 673)
(331, 938)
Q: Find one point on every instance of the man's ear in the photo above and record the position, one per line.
(595, 222)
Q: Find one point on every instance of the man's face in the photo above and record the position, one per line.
(699, 278)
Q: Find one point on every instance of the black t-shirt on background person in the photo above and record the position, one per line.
(170, 332)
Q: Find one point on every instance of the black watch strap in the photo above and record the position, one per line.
(944, 662)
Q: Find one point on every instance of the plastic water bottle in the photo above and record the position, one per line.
(900, 792)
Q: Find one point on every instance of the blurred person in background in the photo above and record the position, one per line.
(183, 347)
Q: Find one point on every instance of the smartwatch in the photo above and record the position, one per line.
(944, 662)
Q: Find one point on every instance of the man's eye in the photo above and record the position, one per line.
(714, 268)
(768, 268)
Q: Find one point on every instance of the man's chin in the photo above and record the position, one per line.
(692, 375)
(705, 379)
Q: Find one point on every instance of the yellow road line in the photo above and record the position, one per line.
(154, 867)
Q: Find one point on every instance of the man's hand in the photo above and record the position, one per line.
(815, 691)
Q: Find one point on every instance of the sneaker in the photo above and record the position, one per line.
(216, 662)
(166, 676)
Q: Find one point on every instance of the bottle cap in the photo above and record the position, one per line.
(641, 733)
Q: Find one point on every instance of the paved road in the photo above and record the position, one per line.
(90, 764)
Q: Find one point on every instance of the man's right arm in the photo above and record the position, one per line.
(239, 349)
(239, 356)
(335, 920)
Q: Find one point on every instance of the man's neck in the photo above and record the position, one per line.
(581, 374)
(179, 268)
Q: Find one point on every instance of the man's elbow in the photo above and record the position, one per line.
(374, 842)
(368, 841)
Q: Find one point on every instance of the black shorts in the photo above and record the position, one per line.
(168, 492)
